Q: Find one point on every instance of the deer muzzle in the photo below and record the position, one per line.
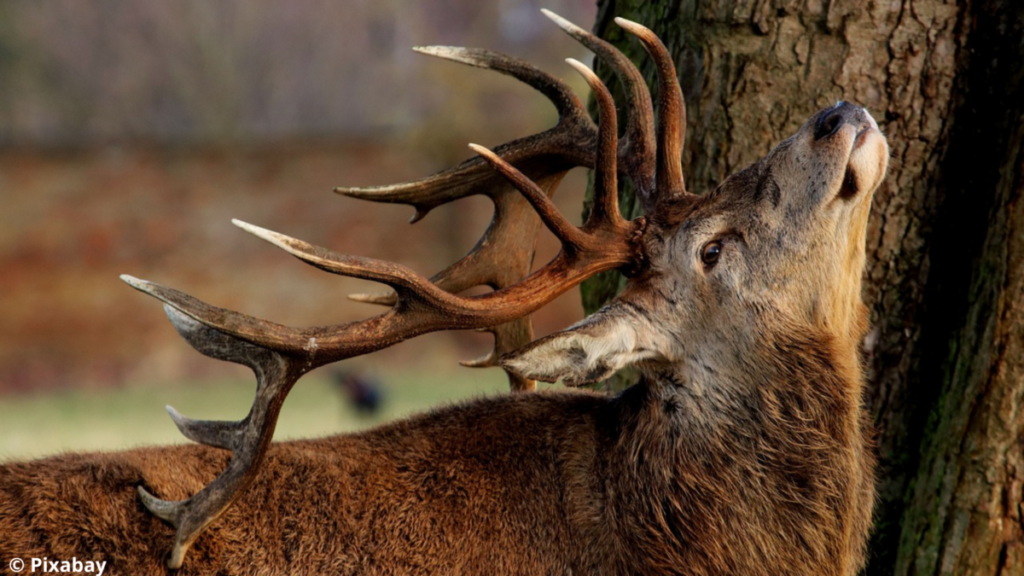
(869, 152)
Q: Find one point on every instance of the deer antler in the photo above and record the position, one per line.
(504, 254)
(670, 186)
(279, 355)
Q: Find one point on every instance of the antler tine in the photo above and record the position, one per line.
(671, 112)
(248, 439)
(507, 338)
(558, 149)
(404, 281)
(564, 99)
(571, 237)
(553, 151)
(250, 329)
(638, 156)
(606, 196)
(578, 244)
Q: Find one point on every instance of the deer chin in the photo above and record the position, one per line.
(869, 156)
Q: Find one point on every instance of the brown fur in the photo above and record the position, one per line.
(585, 484)
(742, 450)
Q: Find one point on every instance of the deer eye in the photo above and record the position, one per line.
(710, 252)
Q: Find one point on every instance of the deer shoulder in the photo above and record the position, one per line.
(741, 450)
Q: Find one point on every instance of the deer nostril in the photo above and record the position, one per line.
(829, 123)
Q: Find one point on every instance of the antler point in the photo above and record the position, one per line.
(145, 286)
(164, 509)
(458, 54)
(380, 298)
(175, 415)
(275, 238)
(585, 71)
(576, 63)
(562, 22)
(482, 150)
(418, 215)
(433, 50)
(634, 28)
(134, 282)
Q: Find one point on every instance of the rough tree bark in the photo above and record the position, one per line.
(945, 280)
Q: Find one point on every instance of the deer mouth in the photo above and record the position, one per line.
(867, 161)
(863, 134)
(866, 131)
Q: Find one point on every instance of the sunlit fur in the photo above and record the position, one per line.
(742, 450)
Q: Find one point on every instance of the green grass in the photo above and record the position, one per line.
(39, 425)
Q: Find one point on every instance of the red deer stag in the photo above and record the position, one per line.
(742, 449)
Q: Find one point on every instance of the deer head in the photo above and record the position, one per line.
(777, 247)
(702, 267)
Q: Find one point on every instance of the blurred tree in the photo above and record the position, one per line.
(945, 280)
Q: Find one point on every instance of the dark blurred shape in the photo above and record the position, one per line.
(362, 392)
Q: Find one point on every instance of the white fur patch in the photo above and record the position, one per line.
(590, 351)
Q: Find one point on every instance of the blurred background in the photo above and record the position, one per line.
(131, 132)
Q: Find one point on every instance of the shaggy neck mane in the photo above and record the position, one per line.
(792, 429)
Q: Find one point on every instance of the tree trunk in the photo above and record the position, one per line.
(945, 276)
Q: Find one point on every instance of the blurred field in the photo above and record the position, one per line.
(112, 419)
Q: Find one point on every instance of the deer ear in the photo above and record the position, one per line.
(587, 352)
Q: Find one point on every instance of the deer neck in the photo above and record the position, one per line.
(711, 445)
(727, 382)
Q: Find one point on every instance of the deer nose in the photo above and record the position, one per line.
(842, 113)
